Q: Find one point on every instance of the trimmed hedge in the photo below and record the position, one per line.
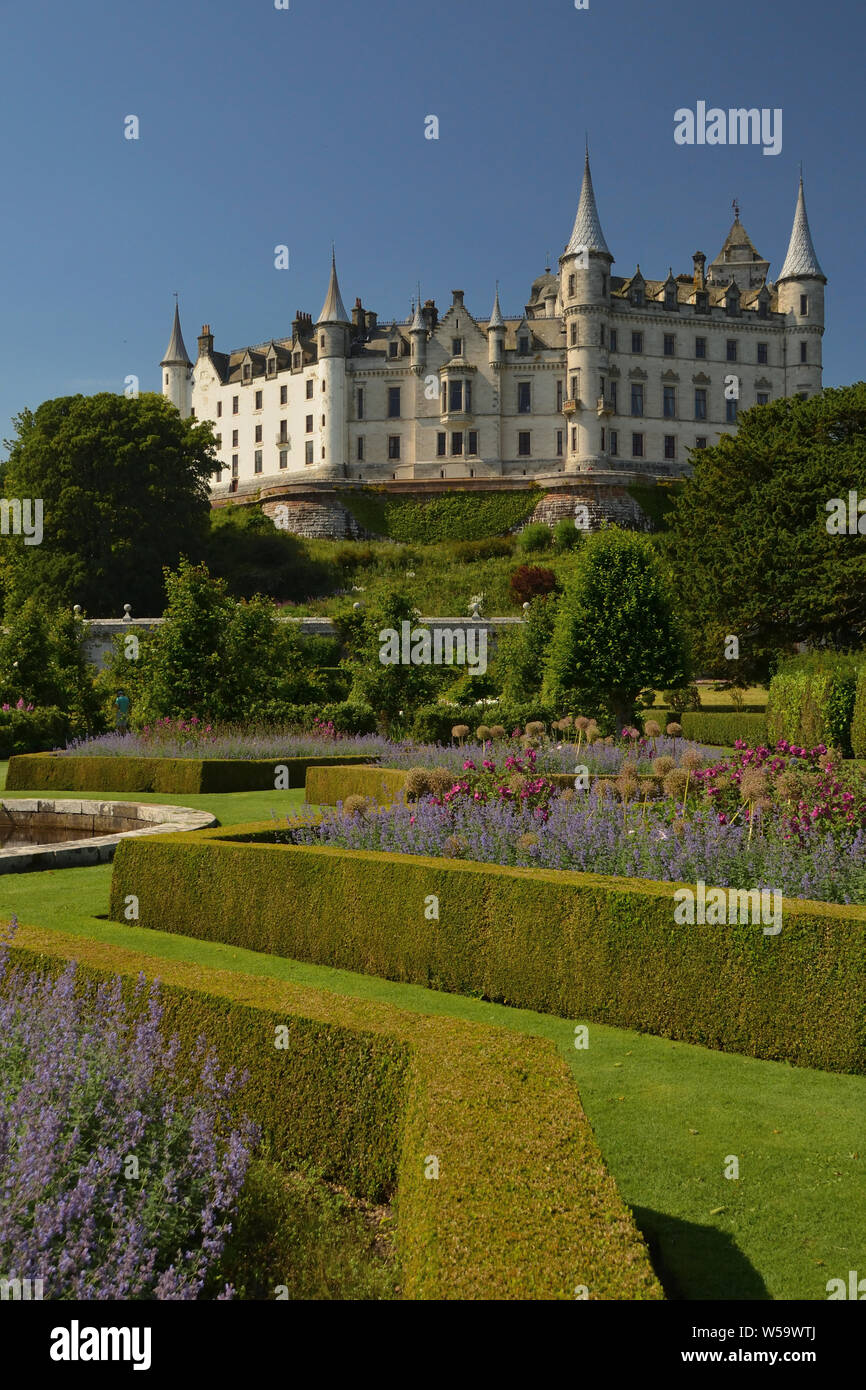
(58, 772)
(523, 1207)
(566, 943)
(450, 516)
(721, 730)
(325, 786)
(812, 700)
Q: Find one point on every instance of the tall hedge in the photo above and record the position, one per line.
(722, 729)
(450, 516)
(523, 1207)
(567, 943)
(812, 699)
(197, 776)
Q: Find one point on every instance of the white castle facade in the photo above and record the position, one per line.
(600, 374)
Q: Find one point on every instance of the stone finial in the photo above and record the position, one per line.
(77, 610)
(127, 611)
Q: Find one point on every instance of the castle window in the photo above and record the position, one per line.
(637, 342)
(636, 398)
(612, 395)
(296, 359)
(457, 442)
(602, 440)
(804, 304)
(670, 446)
(393, 446)
(272, 366)
(309, 424)
(359, 452)
(524, 345)
(702, 302)
(323, 385)
(393, 402)
(524, 397)
(574, 388)
(670, 297)
(234, 405)
(700, 347)
(701, 441)
(308, 451)
(393, 349)
(219, 441)
(468, 394)
(559, 444)
(310, 389)
(762, 352)
(323, 422)
(604, 284)
(614, 442)
(360, 402)
(455, 395)
(192, 413)
(803, 351)
(763, 398)
(670, 345)
(763, 308)
(473, 442)
(257, 461)
(258, 434)
(284, 395)
(571, 284)
(283, 431)
(234, 439)
(234, 465)
(321, 342)
(670, 402)
(441, 444)
(572, 338)
(219, 409)
(731, 349)
(731, 412)
(248, 371)
(456, 347)
(258, 400)
(573, 438)
(284, 458)
(166, 378)
(523, 444)
(559, 395)
(637, 446)
(602, 334)
(637, 295)
(613, 340)
(700, 402)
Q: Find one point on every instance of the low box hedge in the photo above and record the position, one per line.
(325, 786)
(572, 944)
(523, 1206)
(62, 772)
(723, 730)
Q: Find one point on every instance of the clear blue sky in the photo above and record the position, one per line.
(260, 127)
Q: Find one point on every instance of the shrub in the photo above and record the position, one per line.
(723, 730)
(534, 537)
(490, 548)
(566, 535)
(32, 731)
(531, 581)
(682, 698)
(812, 699)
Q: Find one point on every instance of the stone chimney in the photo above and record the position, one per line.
(372, 320)
(700, 261)
(430, 314)
(457, 301)
(205, 341)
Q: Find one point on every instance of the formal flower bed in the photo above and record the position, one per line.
(786, 819)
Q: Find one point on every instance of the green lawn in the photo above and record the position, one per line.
(667, 1115)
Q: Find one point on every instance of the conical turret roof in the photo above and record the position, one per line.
(801, 259)
(333, 309)
(176, 351)
(496, 319)
(587, 224)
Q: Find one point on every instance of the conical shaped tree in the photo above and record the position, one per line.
(616, 632)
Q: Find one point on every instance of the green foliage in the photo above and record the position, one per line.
(615, 630)
(43, 728)
(521, 652)
(42, 663)
(388, 687)
(247, 550)
(812, 699)
(656, 501)
(566, 535)
(123, 483)
(173, 776)
(534, 538)
(721, 730)
(681, 698)
(464, 516)
(575, 945)
(748, 538)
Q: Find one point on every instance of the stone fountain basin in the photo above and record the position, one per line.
(64, 834)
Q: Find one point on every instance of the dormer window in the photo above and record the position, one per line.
(637, 295)
(523, 345)
(702, 302)
(670, 296)
(296, 359)
(393, 349)
(248, 372)
(272, 366)
(763, 308)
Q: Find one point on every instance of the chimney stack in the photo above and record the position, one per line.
(205, 341)
(700, 261)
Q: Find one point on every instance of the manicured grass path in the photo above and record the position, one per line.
(667, 1115)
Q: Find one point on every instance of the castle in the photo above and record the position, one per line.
(600, 375)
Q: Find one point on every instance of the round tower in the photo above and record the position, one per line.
(496, 334)
(585, 289)
(177, 370)
(800, 291)
(332, 341)
(418, 338)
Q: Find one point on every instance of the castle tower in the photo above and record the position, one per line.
(332, 339)
(800, 288)
(177, 370)
(496, 334)
(418, 336)
(585, 289)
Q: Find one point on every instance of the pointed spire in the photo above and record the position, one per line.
(801, 259)
(496, 319)
(176, 351)
(587, 224)
(418, 324)
(333, 309)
